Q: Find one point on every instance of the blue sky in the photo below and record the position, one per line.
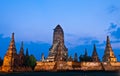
(84, 22)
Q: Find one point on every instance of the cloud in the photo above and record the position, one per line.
(112, 26)
(80, 49)
(4, 43)
(112, 9)
(35, 48)
(116, 33)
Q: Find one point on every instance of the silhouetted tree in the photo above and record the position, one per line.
(32, 61)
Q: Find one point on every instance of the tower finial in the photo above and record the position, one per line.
(95, 56)
(109, 54)
(86, 52)
(108, 40)
(27, 54)
(22, 48)
(94, 47)
(13, 36)
(22, 44)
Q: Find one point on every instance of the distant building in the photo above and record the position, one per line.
(58, 59)
(58, 50)
(95, 57)
(108, 53)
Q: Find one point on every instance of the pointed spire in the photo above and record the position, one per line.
(22, 49)
(94, 51)
(86, 54)
(108, 53)
(58, 27)
(108, 42)
(95, 55)
(13, 36)
(10, 58)
(108, 45)
(27, 54)
(94, 47)
(12, 43)
(22, 44)
(12, 46)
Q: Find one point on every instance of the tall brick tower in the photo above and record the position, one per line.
(58, 51)
(10, 58)
(108, 53)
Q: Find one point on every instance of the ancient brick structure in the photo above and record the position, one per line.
(95, 57)
(21, 55)
(108, 53)
(58, 59)
(11, 59)
(58, 51)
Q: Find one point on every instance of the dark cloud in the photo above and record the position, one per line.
(112, 26)
(116, 33)
(115, 41)
(95, 41)
(85, 40)
(112, 9)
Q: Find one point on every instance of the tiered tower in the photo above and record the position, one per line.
(58, 51)
(109, 54)
(21, 54)
(95, 57)
(10, 58)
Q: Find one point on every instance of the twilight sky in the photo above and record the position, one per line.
(84, 22)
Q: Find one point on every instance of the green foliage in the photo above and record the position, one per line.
(30, 61)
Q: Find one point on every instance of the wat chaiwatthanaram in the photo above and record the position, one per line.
(58, 58)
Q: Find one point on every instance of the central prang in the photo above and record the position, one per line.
(58, 51)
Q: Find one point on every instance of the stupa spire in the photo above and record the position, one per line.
(12, 46)
(108, 42)
(109, 54)
(10, 58)
(27, 54)
(95, 55)
(22, 49)
(86, 54)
